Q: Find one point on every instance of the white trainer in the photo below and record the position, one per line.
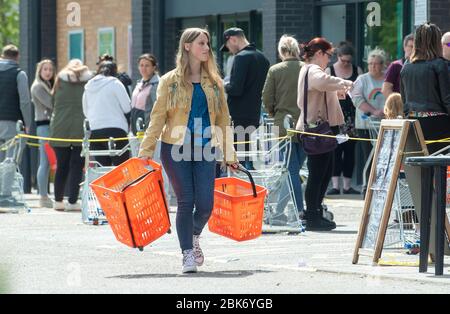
(73, 208)
(189, 264)
(198, 253)
(46, 202)
(59, 206)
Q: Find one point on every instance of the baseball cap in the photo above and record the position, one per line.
(227, 34)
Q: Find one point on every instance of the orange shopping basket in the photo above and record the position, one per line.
(238, 208)
(133, 199)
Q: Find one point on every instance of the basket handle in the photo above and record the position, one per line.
(147, 167)
(243, 170)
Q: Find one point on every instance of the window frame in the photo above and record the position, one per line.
(82, 45)
(104, 30)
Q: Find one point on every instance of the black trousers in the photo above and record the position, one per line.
(107, 161)
(344, 160)
(69, 168)
(436, 128)
(320, 171)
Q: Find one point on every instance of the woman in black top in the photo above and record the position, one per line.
(344, 156)
(426, 86)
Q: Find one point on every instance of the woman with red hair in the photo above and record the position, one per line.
(323, 106)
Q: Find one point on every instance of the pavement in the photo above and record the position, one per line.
(49, 252)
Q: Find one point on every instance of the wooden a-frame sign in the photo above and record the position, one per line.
(398, 139)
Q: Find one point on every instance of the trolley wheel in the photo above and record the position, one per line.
(95, 222)
(170, 231)
(141, 249)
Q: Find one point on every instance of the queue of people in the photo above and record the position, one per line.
(191, 110)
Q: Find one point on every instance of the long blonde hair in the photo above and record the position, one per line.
(38, 79)
(189, 36)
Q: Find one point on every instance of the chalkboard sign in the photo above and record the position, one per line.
(385, 165)
(388, 158)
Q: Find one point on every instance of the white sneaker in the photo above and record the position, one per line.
(59, 206)
(73, 208)
(46, 202)
(198, 253)
(189, 264)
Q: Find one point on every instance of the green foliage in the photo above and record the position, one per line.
(9, 22)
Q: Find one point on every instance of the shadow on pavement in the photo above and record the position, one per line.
(218, 274)
(336, 232)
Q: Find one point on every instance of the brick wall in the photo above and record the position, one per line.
(292, 17)
(94, 15)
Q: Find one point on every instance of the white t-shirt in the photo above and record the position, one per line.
(367, 90)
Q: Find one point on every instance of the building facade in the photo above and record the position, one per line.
(128, 28)
(102, 27)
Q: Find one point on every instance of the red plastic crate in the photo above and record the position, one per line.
(133, 199)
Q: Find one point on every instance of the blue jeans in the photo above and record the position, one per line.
(44, 166)
(193, 183)
(297, 160)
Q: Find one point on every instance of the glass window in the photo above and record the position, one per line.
(106, 41)
(333, 24)
(76, 45)
(251, 24)
(383, 28)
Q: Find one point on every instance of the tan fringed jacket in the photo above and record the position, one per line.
(170, 116)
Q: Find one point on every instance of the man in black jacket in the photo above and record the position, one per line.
(244, 90)
(15, 105)
(15, 99)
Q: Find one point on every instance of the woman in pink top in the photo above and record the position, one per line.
(144, 95)
(323, 106)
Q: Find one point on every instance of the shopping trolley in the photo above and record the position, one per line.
(374, 129)
(133, 199)
(238, 208)
(271, 155)
(135, 141)
(12, 198)
(92, 213)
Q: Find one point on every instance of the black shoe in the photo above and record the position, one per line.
(351, 191)
(333, 192)
(320, 225)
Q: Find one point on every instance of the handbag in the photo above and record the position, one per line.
(314, 144)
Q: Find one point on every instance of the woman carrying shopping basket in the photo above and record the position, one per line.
(192, 117)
